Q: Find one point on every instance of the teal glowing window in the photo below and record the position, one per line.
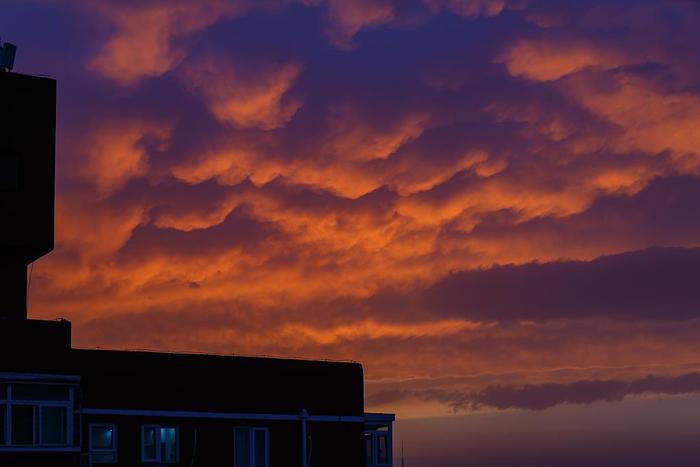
(103, 443)
(251, 447)
(159, 444)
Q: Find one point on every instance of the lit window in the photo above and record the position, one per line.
(103, 444)
(251, 447)
(159, 443)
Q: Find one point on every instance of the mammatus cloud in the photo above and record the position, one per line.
(347, 18)
(245, 96)
(543, 60)
(118, 152)
(509, 187)
(145, 35)
(148, 39)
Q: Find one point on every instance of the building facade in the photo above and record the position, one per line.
(61, 406)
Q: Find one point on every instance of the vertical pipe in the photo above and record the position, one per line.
(390, 444)
(304, 415)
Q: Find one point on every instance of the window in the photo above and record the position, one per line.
(377, 449)
(54, 421)
(22, 423)
(3, 412)
(2, 425)
(382, 450)
(251, 447)
(40, 392)
(9, 174)
(369, 457)
(35, 415)
(103, 443)
(159, 443)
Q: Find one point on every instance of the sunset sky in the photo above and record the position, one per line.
(494, 205)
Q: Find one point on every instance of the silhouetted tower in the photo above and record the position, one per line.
(27, 161)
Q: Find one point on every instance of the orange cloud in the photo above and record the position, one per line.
(651, 119)
(117, 153)
(353, 138)
(243, 96)
(470, 8)
(549, 59)
(330, 185)
(142, 42)
(348, 18)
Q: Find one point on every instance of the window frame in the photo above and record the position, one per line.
(157, 428)
(37, 444)
(3, 423)
(251, 444)
(113, 450)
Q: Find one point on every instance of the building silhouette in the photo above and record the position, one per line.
(61, 406)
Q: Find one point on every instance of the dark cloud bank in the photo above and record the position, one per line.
(544, 396)
(657, 283)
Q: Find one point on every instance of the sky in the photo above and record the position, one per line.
(491, 204)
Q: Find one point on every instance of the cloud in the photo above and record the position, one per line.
(543, 396)
(652, 119)
(470, 8)
(244, 95)
(117, 152)
(661, 214)
(347, 18)
(351, 138)
(479, 180)
(651, 284)
(144, 41)
(545, 60)
(581, 392)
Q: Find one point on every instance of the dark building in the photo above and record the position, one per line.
(61, 406)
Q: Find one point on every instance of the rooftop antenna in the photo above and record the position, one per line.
(7, 56)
